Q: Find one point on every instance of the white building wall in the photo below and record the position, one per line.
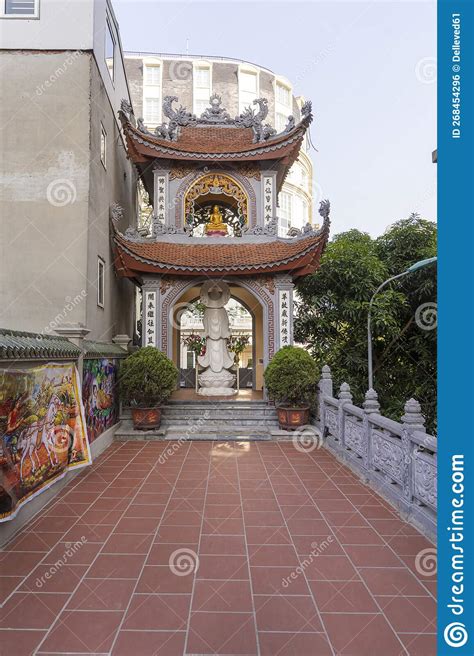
(59, 26)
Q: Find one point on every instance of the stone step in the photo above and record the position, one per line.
(218, 421)
(225, 416)
(216, 401)
(222, 434)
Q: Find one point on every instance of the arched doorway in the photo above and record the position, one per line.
(246, 318)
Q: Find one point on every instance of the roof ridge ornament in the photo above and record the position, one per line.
(270, 228)
(309, 230)
(127, 110)
(254, 120)
(215, 114)
(160, 228)
(116, 212)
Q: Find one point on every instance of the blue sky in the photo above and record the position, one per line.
(368, 67)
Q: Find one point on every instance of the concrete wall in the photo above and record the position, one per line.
(44, 187)
(55, 192)
(225, 82)
(114, 184)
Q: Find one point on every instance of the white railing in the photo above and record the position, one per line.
(398, 459)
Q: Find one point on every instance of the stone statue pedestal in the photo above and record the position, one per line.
(217, 384)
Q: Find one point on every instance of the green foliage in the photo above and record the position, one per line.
(292, 376)
(332, 314)
(147, 377)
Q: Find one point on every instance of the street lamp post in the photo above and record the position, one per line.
(414, 267)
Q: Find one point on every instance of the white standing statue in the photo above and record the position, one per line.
(216, 380)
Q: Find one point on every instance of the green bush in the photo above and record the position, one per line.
(292, 377)
(147, 377)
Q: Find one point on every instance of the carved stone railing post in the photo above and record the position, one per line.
(412, 421)
(371, 406)
(345, 396)
(325, 389)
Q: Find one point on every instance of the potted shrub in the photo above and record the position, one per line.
(146, 379)
(291, 380)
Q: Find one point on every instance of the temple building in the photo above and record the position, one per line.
(193, 79)
(213, 182)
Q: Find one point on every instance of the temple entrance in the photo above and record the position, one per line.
(245, 322)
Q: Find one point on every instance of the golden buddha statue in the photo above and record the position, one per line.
(216, 224)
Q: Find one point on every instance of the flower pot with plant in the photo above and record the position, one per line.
(291, 380)
(147, 378)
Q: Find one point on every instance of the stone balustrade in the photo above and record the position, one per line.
(398, 459)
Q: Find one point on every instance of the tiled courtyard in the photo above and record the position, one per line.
(216, 548)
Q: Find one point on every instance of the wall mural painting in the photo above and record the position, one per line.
(42, 432)
(99, 395)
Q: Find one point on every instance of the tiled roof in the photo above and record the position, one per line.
(19, 345)
(298, 256)
(103, 350)
(206, 142)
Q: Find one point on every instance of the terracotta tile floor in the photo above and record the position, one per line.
(216, 548)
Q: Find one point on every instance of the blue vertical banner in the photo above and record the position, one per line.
(456, 327)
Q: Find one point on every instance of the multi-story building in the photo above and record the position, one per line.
(193, 79)
(63, 165)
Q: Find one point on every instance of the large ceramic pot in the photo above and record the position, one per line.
(146, 418)
(291, 418)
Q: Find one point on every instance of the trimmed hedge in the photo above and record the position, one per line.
(292, 377)
(147, 377)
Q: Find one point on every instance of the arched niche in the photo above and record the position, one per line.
(255, 306)
(197, 186)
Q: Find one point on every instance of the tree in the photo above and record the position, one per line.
(333, 306)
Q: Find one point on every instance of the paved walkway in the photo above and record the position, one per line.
(295, 557)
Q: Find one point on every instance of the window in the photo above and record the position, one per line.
(190, 360)
(152, 71)
(20, 8)
(248, 89)
(152, 111)
(283, 105)
(281, 121)
(153, 75)
(283, 95)
(100, 282)
(285, 211)
(109, 49)
(103, 146)
(300, 212)
(202, 88)
(304, 178)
